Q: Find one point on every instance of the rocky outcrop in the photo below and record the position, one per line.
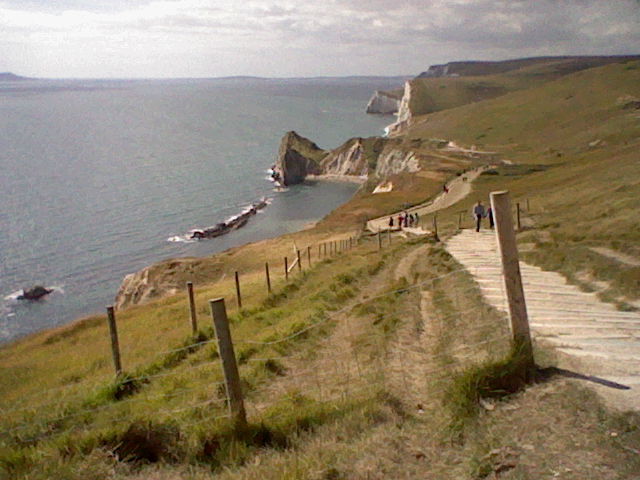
(348, 159)
(166, 278)
(394, 160)
(384, 102)
(356, 157)
(297, 158)
(34, 293)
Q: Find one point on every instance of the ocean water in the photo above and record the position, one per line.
(97, 176)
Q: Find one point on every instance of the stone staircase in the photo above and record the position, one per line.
(589, 336)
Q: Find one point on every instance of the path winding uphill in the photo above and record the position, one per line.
(458, 188)
(591, 337)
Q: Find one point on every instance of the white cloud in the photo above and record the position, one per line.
(313, 37)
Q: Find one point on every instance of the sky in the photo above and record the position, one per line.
(273, 38)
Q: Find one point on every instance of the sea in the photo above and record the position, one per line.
(100, 178)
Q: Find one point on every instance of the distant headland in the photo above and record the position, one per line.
(11, 77)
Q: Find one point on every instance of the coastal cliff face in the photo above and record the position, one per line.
(384, 102)
(356, 157)
(394, 160)
(348, 159)
(297, 158)
(165, 278)
(404, 111)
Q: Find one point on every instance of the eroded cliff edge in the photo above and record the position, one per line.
(299, 158)
(385, 103)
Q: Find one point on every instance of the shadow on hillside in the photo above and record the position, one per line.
(546, 374)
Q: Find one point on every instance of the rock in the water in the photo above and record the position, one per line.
(34, 293)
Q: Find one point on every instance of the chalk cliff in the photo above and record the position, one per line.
(405, 114)
(166, 278)
(394, 160)
(384, 102)
(356, 157)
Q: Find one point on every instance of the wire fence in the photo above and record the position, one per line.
(348, 373)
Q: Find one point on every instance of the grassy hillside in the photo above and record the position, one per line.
(381, 361)
(569, 63)
(583, 131)
(441, 93)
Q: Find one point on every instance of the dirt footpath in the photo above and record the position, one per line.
(458, 188)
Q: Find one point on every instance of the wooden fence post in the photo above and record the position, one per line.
(238, 296)
(501, 207)
(389, 236)
(518, 215)
(528, 208)
(266, 271)
(229, 365)
(309, 256)
(192, 308)
(299, 261)
(286, 268)
(319, 250)
(350, 242)
(379, 240)
(115, 345)
(459, 220)
(324, 247)
(435, 227)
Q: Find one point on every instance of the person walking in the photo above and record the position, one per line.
(400, 220)
(391, 223)
(478, 213)
(490, 215)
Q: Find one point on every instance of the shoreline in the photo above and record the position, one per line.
(334, 177)
(91, 315)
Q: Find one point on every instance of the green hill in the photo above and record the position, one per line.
(375, 357)
(584, 131)
(488, 80)
(476, 68)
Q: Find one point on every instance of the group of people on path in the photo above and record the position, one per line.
(479, 212)
(410, 219)
(405, 220)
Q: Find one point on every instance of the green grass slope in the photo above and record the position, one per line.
(395, 411)
(440, 93)
(479, 67)
(583, 131)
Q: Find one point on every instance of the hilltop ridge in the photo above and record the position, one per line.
(469, 68)
(11, 77)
